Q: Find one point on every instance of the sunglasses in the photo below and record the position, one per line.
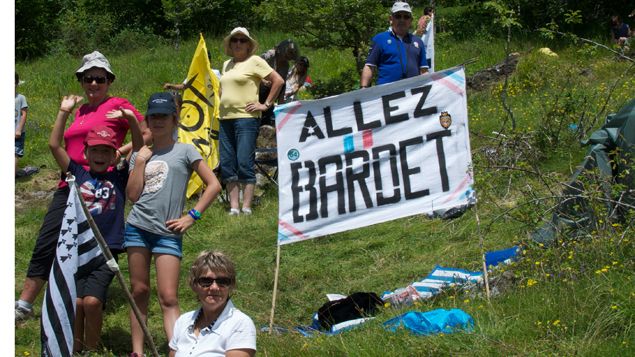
(99, 80)
(239, 39)
(206, 282)
(402, 17)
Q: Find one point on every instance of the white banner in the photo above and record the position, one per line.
(428, 39)
(373, 155)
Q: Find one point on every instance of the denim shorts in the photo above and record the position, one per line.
(19, 146)
(237, 146)
(155, 243)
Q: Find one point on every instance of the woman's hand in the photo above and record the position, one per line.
(144, 154)
(180, 225)
(69, 102)
(254, 107)
(120, 113)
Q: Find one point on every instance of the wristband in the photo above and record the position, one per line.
(196, 215)
(65, 111)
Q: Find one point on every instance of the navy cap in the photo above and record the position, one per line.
(161, 103)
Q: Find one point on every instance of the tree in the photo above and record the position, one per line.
(340, 24)
(33, 19)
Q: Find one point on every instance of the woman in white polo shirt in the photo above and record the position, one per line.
(217, 328)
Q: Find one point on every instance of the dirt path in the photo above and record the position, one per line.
(35, 190)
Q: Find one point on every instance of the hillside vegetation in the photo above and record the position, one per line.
(576, 298)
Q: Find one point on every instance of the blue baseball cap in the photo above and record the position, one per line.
(161, 103)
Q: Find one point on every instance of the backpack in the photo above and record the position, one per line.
(354, 306)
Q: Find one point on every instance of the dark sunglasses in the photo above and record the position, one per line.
(99, 80)
(402, 17)
(206, 282)
(239, 39)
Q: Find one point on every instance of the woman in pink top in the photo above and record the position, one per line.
(95, 76)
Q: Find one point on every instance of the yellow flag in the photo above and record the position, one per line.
(199, 112)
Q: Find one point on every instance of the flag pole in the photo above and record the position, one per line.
(275, 289)
(480, 241)
(112, 264)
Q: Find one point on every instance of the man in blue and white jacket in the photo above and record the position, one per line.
(395, 54)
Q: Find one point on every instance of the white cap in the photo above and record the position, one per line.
(400, 6)
(94, 59)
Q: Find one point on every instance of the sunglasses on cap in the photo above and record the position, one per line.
(206, 282)
(239, 39)
(90, 79)
(402, 17)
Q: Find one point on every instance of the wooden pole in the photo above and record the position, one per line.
(275, 290)
(112, 264)
(480, 242)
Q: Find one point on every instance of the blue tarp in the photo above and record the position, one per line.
(432, 322)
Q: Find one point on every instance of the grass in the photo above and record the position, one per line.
(576, 299)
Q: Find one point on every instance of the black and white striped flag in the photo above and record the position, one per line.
(77, 250)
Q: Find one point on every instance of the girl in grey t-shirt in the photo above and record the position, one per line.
(157, 186)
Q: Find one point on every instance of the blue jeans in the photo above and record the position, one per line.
(237, 149)
(19, 146)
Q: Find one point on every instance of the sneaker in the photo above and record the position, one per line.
(234, 212)
(246, 211)
(22, 313)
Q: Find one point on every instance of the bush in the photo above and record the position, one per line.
(131, 39)
(345, 81)
(465, 21)
(81, 33)
(33, 19)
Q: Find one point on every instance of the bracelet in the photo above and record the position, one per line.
(268, 105)
(65, 111)
(196, 215)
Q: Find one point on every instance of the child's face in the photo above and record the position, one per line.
(100, 157)
(162, 123)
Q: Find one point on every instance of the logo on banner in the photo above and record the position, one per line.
(445, 119)
(293, 154)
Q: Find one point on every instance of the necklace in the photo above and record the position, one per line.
(92, 108)
(198, 323)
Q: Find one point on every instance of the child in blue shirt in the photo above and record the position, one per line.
(21, 108)
(103, 192)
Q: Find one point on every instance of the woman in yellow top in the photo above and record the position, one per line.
(240, 114)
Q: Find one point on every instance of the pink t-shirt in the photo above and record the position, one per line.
(87, 117)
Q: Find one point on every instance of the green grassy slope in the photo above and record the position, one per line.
(574, 299)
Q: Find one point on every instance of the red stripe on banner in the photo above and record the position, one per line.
(287, 117)
(367, 137)
(442, 79)
(458, 189)
(452, 86)
(292, 229)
